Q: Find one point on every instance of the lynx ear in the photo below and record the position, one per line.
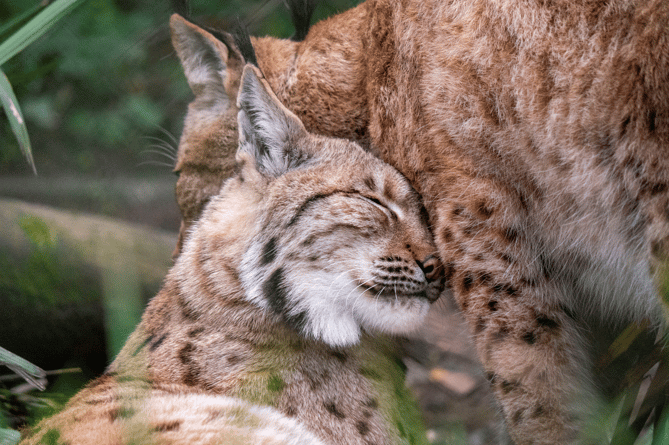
(205, 60)
(268, 130)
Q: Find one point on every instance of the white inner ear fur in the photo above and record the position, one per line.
(266, 128)
(197, 49)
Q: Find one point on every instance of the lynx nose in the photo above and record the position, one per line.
(431, 267)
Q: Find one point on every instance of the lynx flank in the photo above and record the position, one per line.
(267, 328)
(538, 135)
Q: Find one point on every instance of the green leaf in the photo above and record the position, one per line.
(13, 112)
(661, 431)
(9, 437)
(36, 27)
(22, 367)
(20, 19)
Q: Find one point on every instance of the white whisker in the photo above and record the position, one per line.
(169, 135)
(156, 163)
(160, 153)
(355, 288)
(163, 143)
(376, 298)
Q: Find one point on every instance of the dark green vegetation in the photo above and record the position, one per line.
(105, 80)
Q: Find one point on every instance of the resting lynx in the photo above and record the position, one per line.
(266, 329)
(538, 135)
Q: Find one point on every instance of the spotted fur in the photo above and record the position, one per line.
(269, 329)
(538, 135)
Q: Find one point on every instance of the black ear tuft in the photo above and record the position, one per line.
(181, 7)
(301, 12)
(268, 130)
(243, 43)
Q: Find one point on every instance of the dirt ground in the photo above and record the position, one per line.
(448, 380)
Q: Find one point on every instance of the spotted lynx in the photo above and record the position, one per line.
(537, 134)
(268, 329)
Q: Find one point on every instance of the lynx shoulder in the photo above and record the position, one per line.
(271, 325)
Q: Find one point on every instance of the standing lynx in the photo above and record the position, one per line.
(267, 330)
(537, 134)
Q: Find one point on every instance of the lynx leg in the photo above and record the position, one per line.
(529, 346)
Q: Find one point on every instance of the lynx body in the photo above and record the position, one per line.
(537, 134)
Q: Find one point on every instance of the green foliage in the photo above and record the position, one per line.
(94, 86)
(9, 437)
(12, 25)
(661, 432)
(18, 407)
(123, 303)
(22, 367)
(106, 78)
(38, 232)
(11, 106)
(35, 28)
(39, 279)
(21, 408)
(15, 43)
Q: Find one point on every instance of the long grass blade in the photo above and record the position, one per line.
(22, 367)
(36, 27)
(20, 19)
(9, 437)
(661, 431)
(18, 124)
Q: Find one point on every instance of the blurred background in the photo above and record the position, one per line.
(86, 241)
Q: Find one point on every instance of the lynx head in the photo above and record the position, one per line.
(341, 240)
(340, 243)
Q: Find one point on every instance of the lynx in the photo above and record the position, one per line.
(269, 328)
(537, 134)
